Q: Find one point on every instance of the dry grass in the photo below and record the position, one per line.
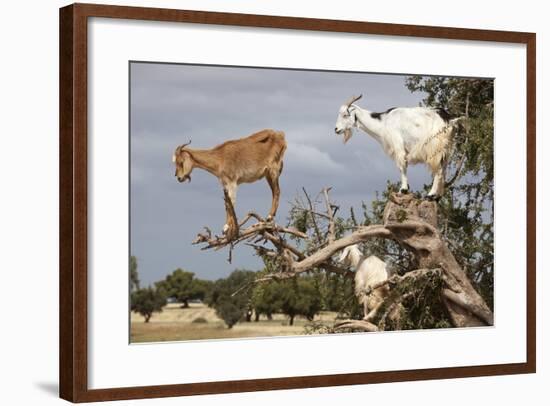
(176, 324)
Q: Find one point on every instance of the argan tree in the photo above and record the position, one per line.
(300, 297)
(466, 211)
(134, 276)
(267, 299)
(183, 286)
(231, 308)
(147, 301)
(441, 252)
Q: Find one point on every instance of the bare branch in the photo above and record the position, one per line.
(263, 251)
(322, 255)
(312, 212)
(279, 242)
(460, 165)
(457, 173)
(356, 325)
(331, 227)
(257, 229)
(352, 215)
(250, 215)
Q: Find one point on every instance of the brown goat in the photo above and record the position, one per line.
(244, 160)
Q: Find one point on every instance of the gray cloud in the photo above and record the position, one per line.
(171, 104)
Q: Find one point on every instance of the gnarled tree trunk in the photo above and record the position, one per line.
(413, 223)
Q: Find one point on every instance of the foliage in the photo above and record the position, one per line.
(422, 306)
(201, 288)
(147, 301)
(183, 286)
(267, 299)
(300, 296)
(466, 210)
(134, 277)
(230, 307)
(337, 295)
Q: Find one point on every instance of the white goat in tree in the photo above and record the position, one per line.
(408, 135)
(368, 272)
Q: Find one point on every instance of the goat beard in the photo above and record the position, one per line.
(347, 134)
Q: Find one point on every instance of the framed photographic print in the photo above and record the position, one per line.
(280, 194)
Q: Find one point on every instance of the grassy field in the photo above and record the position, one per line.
(176, 324)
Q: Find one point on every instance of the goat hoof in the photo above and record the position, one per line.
(433, 198)
(404, 191)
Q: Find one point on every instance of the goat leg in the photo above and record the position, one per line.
(273, 181)
(231, 228)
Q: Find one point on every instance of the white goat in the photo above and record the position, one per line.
(368, 272)
(408, 135)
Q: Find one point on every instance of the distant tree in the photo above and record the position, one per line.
(301, 296)
(338, 295)
(232, 308)
(201, 288)
(183, 286)
(267, 299)
(147, 301)
(134, 277)
(229, 311)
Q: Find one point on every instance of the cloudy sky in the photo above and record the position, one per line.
(171, 104)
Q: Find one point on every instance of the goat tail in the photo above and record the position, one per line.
(282, 148)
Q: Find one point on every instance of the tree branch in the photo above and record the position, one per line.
(461, 300)
(460, 165)
(357, 325)
(312, 213)
(255, 230)
(331, 227)
(320, 256)
(410, 222)
(396, 279)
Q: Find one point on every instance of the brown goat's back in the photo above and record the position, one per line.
(250, 158)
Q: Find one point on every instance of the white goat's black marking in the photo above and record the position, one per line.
(378, 115)
(444, 114)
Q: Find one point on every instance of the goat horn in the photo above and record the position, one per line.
(184, 145)
(353, 100)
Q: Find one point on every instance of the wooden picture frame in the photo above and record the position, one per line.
(73, 197)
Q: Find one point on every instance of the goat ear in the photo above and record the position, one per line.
(186, 155)
(176, 153)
